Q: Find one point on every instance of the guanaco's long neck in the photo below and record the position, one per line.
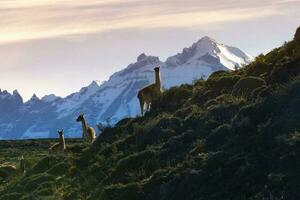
(84, 125)
(62, 141)
(157, 79)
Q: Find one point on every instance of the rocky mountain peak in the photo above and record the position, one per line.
(92, 87)
(142, 61)
(94, 84)
(4, 92)
(34, 98)
(201, 47)
(141, 57)
(15, 96)
(15, 92)
(49, 98)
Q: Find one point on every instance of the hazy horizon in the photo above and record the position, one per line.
(59, 46)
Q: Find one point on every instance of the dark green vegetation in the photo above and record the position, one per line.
(235, 136)
(36, 156)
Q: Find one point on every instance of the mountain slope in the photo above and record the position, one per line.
(116, 98)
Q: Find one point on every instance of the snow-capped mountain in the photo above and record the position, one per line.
(115, 98)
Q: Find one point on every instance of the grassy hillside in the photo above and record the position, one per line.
(33, 151)
(235, 136)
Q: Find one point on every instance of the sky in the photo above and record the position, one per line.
(59, 46)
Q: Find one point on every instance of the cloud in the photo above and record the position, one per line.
(36, 19)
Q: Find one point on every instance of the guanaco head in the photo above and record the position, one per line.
(21, 158)
(61, 132)
(80, 118)
(156, 69)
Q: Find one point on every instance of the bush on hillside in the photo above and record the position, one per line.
(172, 99)
(259, 67)
(223, 84)
(177, 146)
(11, 196)
(261, 92)
(45, 164)
(223, 112)
(219, 136)
(156, 131)
(201, 96)
(218, 74)
(130, 191)
(32, 183)
(7, 171)
(60, 169)
(224, 100)
(245, 86)
(137, 165)
(283, 73)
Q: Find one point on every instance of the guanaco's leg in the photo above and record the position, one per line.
(142, 106)
(148, 106)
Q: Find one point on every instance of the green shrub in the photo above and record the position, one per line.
(11, 196)
(224, 100)
(259, 67)
(219, 136)
(261, 92)
(201, 96)
(223, 112)
(126, 169)
(184, 185)
(45, 164)
(223, 84)
(186, 110)
(45, 189)
(156, 136)
(211, 102)
(31, 183)
(60, 168)
(217, 75)
(130, 191)
(194, 120)
(7, 171)
(172, 99)
(75, 148)
(245, 86)
(285, 72)
(177, 146)
(72, 195)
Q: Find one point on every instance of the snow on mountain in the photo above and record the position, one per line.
(75, 100)
(209, 51)
(115, 98)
